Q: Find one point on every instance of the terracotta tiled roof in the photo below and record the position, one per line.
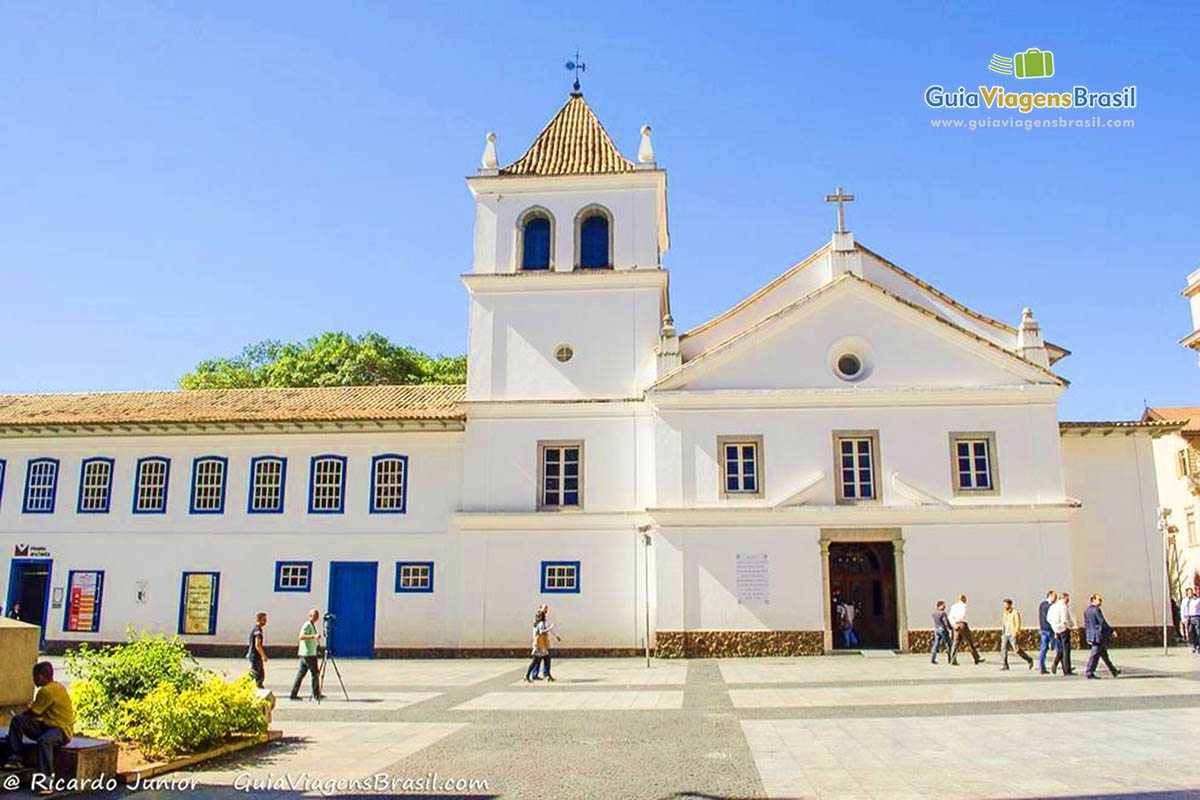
(1153, 424)
(1188, 414)
(573, 143)
(333, 404)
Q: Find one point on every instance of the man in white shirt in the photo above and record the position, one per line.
(962, 631)
(1062, 623)
(1191, 618)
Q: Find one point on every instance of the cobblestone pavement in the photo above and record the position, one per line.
(829, 727)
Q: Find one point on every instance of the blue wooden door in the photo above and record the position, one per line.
(352, 601)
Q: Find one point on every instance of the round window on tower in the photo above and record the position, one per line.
(564, 353)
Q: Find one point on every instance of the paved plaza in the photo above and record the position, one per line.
(831, 727)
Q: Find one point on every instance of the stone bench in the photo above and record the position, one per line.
(83, 757)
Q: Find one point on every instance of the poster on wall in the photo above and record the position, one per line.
(199, 602)
(84, 590)
(753, 584)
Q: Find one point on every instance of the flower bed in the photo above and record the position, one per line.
(151, 696)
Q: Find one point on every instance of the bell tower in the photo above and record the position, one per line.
(567, 288)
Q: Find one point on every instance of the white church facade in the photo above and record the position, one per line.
(848, 429)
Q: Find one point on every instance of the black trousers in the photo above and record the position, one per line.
(47, 738)
(257, 670)
(1063, 654)
(1099, 653)
(310, 665)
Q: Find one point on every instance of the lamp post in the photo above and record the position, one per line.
(1164, 527)
(644, 531)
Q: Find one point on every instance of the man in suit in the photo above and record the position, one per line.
(1044, 629)
(1191, 618)
(1098, 633)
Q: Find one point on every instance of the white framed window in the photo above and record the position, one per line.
(327, 485)
(414, 576)
(389, 476)
(856, 454)
(150, 485)
(1191, 527)
(741, 466)
(1183, 466)
(95, 485)
(267, 480)
(560, 577)
(208, 485)
(560, 481)
(972, 456)
(293, 576)
(41, 485)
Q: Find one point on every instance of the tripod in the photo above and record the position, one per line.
(329, 659)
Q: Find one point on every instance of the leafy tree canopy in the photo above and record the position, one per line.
(331, 359)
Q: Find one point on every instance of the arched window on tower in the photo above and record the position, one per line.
(594, 239)
(535, 241)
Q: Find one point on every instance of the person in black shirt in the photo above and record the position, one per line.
(1044, 629)
(256, 655)
(941, 632)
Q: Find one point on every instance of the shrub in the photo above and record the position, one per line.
(152, 693)
(168, 722)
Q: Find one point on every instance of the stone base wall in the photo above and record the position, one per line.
(732, 644)
(201, 650)
(989, 638)
(18, 654)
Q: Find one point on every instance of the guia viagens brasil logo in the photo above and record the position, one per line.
(1030, 64)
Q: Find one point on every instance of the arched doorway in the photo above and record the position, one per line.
(864, 574)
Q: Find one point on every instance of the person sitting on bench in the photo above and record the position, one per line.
(49, 721)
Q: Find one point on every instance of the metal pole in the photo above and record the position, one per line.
(644, 530)
(1165, 528)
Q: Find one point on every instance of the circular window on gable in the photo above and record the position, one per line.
(564, 353)
(849, 366)
(851, 359)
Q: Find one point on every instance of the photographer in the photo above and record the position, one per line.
(308, 657)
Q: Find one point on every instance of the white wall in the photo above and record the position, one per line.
(1175, 493)
(1115, 547)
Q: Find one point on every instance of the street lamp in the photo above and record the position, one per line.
(1164, 528)
(644, 531)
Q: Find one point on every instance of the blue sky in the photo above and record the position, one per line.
(181, 179)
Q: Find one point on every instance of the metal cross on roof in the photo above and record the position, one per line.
(579, 67)
(841, 199)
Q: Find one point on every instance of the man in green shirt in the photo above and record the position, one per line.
(49, 721)
(308, 657)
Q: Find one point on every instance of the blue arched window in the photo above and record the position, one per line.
(593, 241)
(535, 243)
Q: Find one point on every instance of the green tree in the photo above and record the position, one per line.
(331, 359)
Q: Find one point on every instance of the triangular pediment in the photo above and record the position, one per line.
(899, 344)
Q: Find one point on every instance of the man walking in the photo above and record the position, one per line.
(1191, 618)
(846, 613)
(308, 657)
(941, 633)
(255, 654)
(962, 631)
(1098, 633)
(1061, 622)
(1044, 629)
(1008, 637)
(49, 721)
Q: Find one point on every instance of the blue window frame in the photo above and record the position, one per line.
(593, 241)
(95, 485)
(327, 484)
(3, 473)
(268, 485)
(535, 243)
(150, 483)
(41, 485)
(198, 596)
(85, 595)
(293, 576)
(389, 484)
(414, 577)
(560, 577)
(209, 475)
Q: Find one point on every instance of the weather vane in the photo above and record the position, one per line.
(578, 66)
